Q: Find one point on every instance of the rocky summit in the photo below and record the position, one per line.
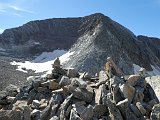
(66, 94)
(104, 73)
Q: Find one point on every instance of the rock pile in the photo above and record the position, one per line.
(68, 95)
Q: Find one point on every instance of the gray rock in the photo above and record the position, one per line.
(138, 97)
(135, 110)
(11, 99)
(103, 76)
(74, 116)
(35, 104)
(141, 108)
(11, 115)
(3, 94)
(114, 86)
(12, 90)
(35, 114)
(72, 73)
(54, 110)
(114, 113)
(36, 82)
(128, 91)
(68, 111)
(54, 118)
(154, 82)
(99, 110)
(86, 113)
(24, 108)
(64, 106)
(98, 93)
(57, 98)
(82, 94)
(45, 84)
(132, 79)
(149, 94)
(127, 114)
(53, 85)
(64, 81)
(78, 82)
(42, 89)
(31, 96)
(155, 114)
(45, 114)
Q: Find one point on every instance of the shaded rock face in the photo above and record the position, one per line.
(38, 36)
(152, 43)
(92, 39)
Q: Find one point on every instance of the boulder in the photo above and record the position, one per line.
(138, 97)
(45, 113)
(114, 113)
(154, 82)
(35, 104)
(78, 82)
(11, 99)
(102, 78)
(86, 113)
(31, 96)
(74, 116)
(53, 85)
(63, 108)
(155, 114)
(54, 110)
(35, 114)
(82, 94)
(3, 94)
(64, 81)
(24, 108)
(99, 110)
(128, 91)
(149, 94)
(12, 90)
(135, 110)
(72, 73)
(141, 108)
(127, 114)
(132, 79)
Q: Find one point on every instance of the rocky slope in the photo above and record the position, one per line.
(66, 94)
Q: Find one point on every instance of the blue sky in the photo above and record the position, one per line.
(140, 16)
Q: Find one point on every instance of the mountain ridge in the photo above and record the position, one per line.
(94, 36)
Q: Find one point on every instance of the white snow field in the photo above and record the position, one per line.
(43, 62)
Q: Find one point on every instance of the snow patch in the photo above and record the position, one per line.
(38, 65)
(48, 56)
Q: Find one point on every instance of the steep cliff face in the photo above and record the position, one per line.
(92, 39)
(38, 36)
